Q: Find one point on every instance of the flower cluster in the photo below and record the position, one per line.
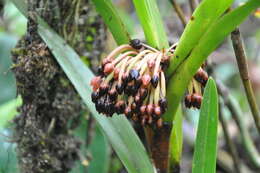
(131, 81)
(194, 97)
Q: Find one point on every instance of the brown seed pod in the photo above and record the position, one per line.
(155, 80)
(109, 67)
(128, 111)
(112, 94)
(201, 76)
(143, 109)
(196, 100)
(187, 101)
(143, 93)
(119, 88)
(134, 107)
(95, 96)
(125, 78)
(95, 82)
(103, 89)
(136, 44)
(150, 109)
(120, 107)
(146, 80)
(163, 104)
(157, 110)
(150, 63)
(137, 99)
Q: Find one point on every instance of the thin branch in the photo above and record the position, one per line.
(238, 117)
(243, 70)
(229, 143)
(193, 4)
(179, 12)
(91, 124)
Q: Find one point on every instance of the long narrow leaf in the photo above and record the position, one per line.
(203, 17)
(210, 40)
(176, 140)
(118, 130)
(205, 153)
(151, 21)
(99, 149)
(112, 19)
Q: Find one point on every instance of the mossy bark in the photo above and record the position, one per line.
(44, 139)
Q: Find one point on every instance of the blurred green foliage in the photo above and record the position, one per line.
(12, 27)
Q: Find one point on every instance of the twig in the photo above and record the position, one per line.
(90, 131)
(243, 70)
(230, 144)
(179, 12)
(238, 117)
(193, 4)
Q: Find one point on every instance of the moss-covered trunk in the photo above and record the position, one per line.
(44, 139)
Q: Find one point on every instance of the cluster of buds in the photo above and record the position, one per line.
(131, 81)
(194, 97)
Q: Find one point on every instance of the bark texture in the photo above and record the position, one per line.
(50, 103)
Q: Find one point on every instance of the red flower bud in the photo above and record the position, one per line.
(109, 67)
(146, 80)
(157, 110)
(150, 109)
(95, 82)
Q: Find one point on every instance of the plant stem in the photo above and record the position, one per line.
(243, 70)
(179, 12)
(238, 117)
(193, 4)
(229, 143)
(160, 147)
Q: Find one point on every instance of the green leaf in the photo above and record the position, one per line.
(219, 31)
(112, 19)
(7, 84)
(21, 6)
(207, 44)
(176, 140)
(8, 111)
(203, 17)
(8, 156)
(152, 24)
(99, 149)
(118, 129)
(100, 153)
(205, 153)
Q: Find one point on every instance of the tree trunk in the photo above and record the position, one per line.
(44, 139)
